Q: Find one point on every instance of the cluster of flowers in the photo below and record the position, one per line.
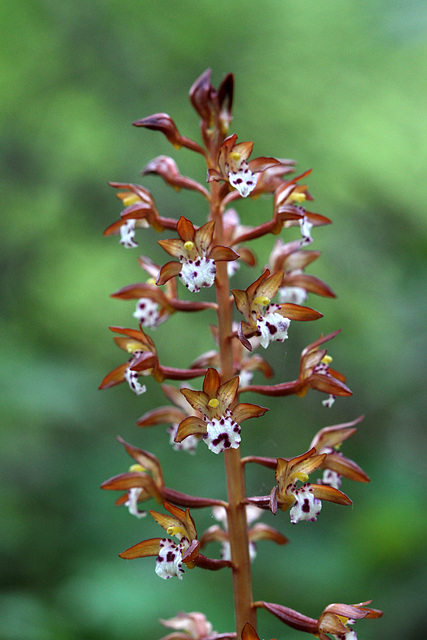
(208, 256)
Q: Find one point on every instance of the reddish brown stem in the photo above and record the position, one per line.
(237, 524)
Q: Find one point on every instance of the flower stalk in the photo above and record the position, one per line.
(211, 411)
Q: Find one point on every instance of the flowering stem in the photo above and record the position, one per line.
(237, 524)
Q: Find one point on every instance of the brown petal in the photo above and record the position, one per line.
(145, 459)
(211, 382)
(227, 392)
(126, 481)
(142, 549)
(327, 384)
(244, 410)
(345, 467)
(145, 361)
(168, 415)
(116, 376)
(204, 235)
(220, 253)
(185, 230)
(191, 426)
(168, 271)
(324, 492)
(270, 285)
(172, 246)
(240, 333)
(334, 435)
(197, 399)
(247, 256)
(213, 534)
(263, 531)
(297, 312)
(310, 284)
(242, 302)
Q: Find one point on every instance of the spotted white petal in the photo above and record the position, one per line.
(272, 326)
(132, 502)
(295, 295)
(189, 443)
(127, 234)
(169, 560)
(147, 313)
(198, 273)
(131, 378)
(329, 401)
(243, 180)
(306, 226)
(331, 478)
(307, 506)
(222, 433)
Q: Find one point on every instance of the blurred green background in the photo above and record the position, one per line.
(339, 86)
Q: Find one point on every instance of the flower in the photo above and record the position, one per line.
(193, 625)
(314, 373)
(196, 267)
(268, 321)
(244, 364)
(259, 532)
(233, 166)
(172, 415)
(144, 481)
(292, 260)
(170, 555)
(220, 425)
(166, 168)
(335, 465)
(142, 349)
(140, 212)
(144, 361)
(303, 501)
(334, 619)
(289, 211)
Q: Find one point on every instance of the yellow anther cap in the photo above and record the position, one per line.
(262, 300)
(136, 467)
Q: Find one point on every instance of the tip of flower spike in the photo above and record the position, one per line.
(136, 467)
(213, 403)
(188, 245)
(262, 300)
